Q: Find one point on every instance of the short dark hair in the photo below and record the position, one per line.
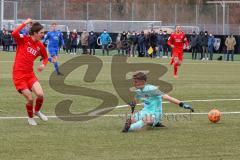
(140, 76)
(35, 28)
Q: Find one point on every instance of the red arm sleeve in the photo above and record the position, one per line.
(169, 42)
(15, 34)
(44, 54)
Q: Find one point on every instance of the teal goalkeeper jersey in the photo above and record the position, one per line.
(151, 97)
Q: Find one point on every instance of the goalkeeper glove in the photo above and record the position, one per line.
(132, 105)
(186, 106)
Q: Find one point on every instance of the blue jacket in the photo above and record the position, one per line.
(105, 38)
(55, 39)
(211, 41)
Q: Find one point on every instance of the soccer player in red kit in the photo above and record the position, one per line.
(29, 47)
(176, 41)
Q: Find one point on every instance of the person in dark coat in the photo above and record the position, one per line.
(160, 42)
(165, 46)
(193, 44)
(141, 44)
(74, 41)
(200, 44)
(238, 44)
(67, 41)
(133, 41)
(211, 41)
(92, 40)
(124, 44)
(1, 36)
(205, 46)
(6, 41)
(153, 42)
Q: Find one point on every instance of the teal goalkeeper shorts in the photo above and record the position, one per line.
(143, 113)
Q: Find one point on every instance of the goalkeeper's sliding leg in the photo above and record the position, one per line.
(141, 119)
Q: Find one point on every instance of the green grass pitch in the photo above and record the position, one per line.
(185, 137)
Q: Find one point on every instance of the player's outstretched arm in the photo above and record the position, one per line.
(19, 28)
(28, 21)
(16, 32)
(171, 99)
(178, 102)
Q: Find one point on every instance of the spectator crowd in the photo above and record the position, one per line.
(202, 45)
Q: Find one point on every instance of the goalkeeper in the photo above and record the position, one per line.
(151, 113)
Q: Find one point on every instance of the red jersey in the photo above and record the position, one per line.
(178, 40)
(27, 51)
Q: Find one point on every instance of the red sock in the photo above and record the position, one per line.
(39, 102)
(29, 108)
(175, 69)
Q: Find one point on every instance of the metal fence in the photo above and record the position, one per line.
(80, 14)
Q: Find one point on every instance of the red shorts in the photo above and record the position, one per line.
(23, 80)
(178, 53)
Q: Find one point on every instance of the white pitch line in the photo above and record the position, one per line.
(123, 106)
(51, 116)
(203, 100)
(212, 100)
(117, 115)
